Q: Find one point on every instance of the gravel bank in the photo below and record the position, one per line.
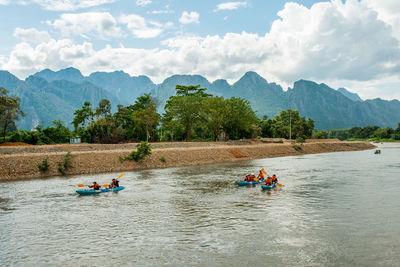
(18, 163)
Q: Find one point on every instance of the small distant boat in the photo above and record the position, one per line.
(267, 187)
(103, 190)
(378, 151)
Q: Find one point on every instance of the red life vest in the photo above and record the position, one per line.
(96, 186)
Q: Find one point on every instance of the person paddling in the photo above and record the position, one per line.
(268, 181)
(260, 175)
(274, 179)
(95, 186)
(114, 183)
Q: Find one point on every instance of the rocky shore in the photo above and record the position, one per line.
(21, 162)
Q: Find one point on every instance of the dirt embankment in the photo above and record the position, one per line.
(21, 162)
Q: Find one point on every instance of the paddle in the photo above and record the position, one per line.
(105, 185)
(280, 185)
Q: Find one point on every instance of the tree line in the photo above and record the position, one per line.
(190, 115)
(365, 133)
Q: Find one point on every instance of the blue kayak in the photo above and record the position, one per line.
(247, 183)
(266, 187)
(103, 190)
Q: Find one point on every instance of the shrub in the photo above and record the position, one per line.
(296, 147)
(143, 151)
(61, 168)
(44, 165)
(300, 139)
(280, 141)
(163, 159)
(66, 164)
(68, 160)
(318, 135)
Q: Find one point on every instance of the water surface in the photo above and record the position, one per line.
(335, 209)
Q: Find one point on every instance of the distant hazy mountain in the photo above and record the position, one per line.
(48, 95)
(68, 74)
(44, 101)
(118, 83)
(350, 95)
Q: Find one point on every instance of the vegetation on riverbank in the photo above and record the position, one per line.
(190, 115)
(368, 133)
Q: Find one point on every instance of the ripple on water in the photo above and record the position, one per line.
(330, 212)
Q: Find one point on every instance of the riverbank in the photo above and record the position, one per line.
(21, 162)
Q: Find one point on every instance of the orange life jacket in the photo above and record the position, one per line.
(268, 181)
(261, 175)
(96, 186)
(274, 179)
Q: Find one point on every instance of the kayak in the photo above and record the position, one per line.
(247, 183)
(103, 190)
(266, 187)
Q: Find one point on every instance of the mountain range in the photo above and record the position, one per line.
(55, 95)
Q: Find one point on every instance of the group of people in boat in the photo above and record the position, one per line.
(260, 177)
(96, 186)
(378, 151)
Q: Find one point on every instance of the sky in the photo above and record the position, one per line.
(343, 43)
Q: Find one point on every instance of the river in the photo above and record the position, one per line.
(336, 209)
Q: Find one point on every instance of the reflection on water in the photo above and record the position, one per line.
(331, 211)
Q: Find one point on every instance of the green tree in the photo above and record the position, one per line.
(265, 125)
(147, 117)
(104, 108)
(10, 110)
(289, 124)
(383, 133)
(83, 114)
(240, 119)
(186, 107)
(215, 115)
(140, 120)
(171, 129)
(59, 133)
(103, 131)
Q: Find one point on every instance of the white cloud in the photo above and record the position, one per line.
(141, 28)
(64, 5)
(61, 5)
(192, 17)
(331, 39)
(388, 11)
(166, 10)
(230, 6)
(341, 44)
(32, 35)
(95, 24)
(143, 2)
(26, 59)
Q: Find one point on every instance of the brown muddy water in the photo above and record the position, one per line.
(336, 209)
